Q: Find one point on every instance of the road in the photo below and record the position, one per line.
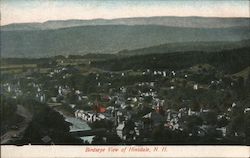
(22, 111)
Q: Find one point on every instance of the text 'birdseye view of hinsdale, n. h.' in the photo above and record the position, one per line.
(125, 78)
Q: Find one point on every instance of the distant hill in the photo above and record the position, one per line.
(109, 39)
(192, 22)
(188, 46)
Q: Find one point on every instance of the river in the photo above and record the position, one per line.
(76, 125)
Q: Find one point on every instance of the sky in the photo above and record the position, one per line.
(23, 11)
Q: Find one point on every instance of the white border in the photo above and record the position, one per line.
(66, 151)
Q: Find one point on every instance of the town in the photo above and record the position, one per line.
(193, 105)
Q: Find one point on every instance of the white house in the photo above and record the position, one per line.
(246, 110)
(164, 73)
(233, 105)
(120, 130)
(190, 112)
(173, 73)
(195, 87)
(223, 131)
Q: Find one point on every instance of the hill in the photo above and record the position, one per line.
(107, 39)
(229, 61)
(193, 22)
(188, 46)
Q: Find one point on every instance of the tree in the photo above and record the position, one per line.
(194, 121)
(158, 134)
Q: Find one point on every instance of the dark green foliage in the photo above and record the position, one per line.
(230, 61)
(247, 127)
(9, 117)
(187, 46)
(10, 61)
(102, 124)
(47, 122)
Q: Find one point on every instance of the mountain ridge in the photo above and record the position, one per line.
(175, 21)
(79, 37)
(107, 39)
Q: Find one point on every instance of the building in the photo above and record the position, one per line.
(89, 116)
(120, 130)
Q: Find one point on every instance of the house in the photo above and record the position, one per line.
(233, 105)
(72, 106)
(89, 116)
(176, 126)
(222, 130)
(120, 130)
(164, 73)
(190, 112)
(9, 88)
(173, 73)
(123, 89)
(246, 110)
(100, 116)
(77, 92)
(38, 89)
(84, 97)
(204, 110)
(134, 99)
(53, 99)
(152, 84)
(42, 98)
(59, 90)
(195, 87)
(138, 128)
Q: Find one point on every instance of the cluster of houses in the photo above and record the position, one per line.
(89, 116)
(124, 106)
(13, 89)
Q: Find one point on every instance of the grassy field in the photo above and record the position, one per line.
(17, 66)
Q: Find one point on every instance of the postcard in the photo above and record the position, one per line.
(125, 78)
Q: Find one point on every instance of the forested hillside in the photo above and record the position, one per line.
(107, 39)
